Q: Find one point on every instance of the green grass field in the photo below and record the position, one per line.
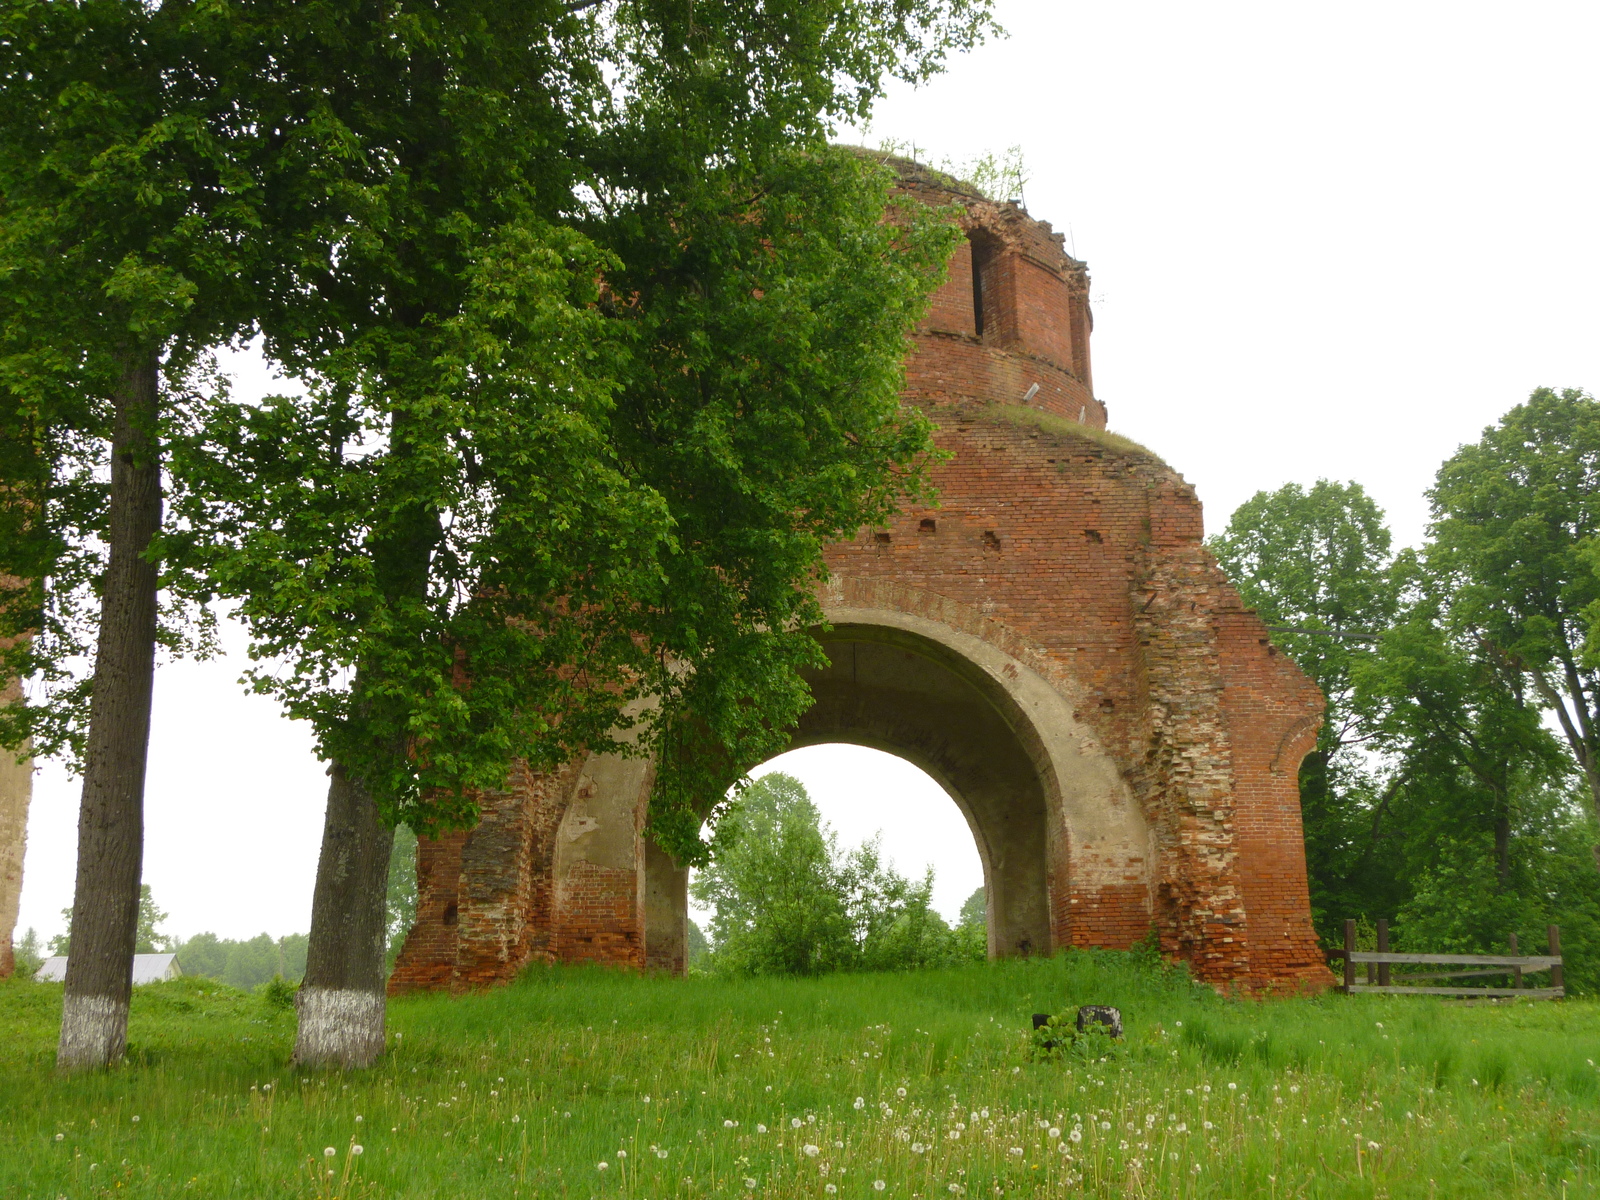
(590, 1083)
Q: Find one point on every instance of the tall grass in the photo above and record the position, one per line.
(817, 1088)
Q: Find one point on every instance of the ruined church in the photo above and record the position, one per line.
(1053, 644)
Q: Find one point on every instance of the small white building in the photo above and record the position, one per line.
(147, 968)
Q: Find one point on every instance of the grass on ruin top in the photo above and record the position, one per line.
(1018, 414)
(919, 1082)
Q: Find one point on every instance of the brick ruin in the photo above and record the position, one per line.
(1053, 644)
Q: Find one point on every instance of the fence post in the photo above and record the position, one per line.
(1516, 972)
(1555, 952)
(1383, 948)
(1349, 949)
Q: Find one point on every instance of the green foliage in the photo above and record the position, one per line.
(788, 901)
(148, 938)
(400, 905)
(27, 956)
(1503, 1101)
(277, 993)
(600, 344)
(1517, 533)
(698, 950)
(129, 204)
(246, 965)
(1319, 559)
(1438, 795)
(1060, 1038)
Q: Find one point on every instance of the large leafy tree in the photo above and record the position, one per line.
(127, 210)
(1517, 532)
(600, 344)
(1316, 565)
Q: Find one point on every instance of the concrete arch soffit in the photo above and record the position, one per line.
(1085, 787)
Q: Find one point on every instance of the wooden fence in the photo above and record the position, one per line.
(1456, 966)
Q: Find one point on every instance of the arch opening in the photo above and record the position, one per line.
(888, 689)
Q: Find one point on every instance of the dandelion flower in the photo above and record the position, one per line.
(727, 1124)
(329, 1152)
(1076, 1135)
(647, 1099)
(622, 1154)
(1017, 1150)
(901, 1092)
(515, 1117)
(605, 1166)
(831, 1189)
(794, 1122)
(761, 1128)
(1372, 1146)
(1183, 1127)
(1053, 1132)
(878, 1185)
(811, 1151)
(1233, 1087)
(750, 1184)
(357, 1150)
(917, 1147)
(954, 1135)
(1105, 1126)
(136, 1119)
(59, 1136)
(1062, 1147)
(860, 1103)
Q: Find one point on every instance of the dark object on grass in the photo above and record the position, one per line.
(1040, 1020)
(1099, 1014)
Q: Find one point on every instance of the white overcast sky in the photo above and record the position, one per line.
(1327, 240)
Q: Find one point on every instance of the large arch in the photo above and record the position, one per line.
(1044, 802)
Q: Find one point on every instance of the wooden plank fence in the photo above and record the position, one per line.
(1459, 966)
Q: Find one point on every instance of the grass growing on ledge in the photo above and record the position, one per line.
(591, 1083)
(1018, 414)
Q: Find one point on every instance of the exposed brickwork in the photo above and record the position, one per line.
(1080, 559)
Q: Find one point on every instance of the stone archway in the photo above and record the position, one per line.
(1053, 821)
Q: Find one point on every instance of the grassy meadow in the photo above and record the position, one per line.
(592, 1083)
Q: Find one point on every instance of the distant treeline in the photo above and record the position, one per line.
(246, 964)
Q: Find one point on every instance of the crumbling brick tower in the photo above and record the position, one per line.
(1053, 644)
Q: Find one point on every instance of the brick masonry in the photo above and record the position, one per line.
(1059, 559)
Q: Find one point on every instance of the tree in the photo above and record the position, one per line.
(126, 208)
(1516, 519)
(1319, 560)
(780, 906)
(150, 939)
(401, 901)
(147, 938)
(601, 345)
(27, 955)
(788, 902)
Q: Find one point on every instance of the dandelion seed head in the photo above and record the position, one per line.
(329, 1152)
(901, 1092)
(878, 1185)
(604, 1166)
(795, 1122)
(810, 1150)
(358, 1149)
(859, 1104)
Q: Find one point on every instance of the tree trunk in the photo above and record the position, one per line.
(105, 902)
(341, 1002)
(1502, 850)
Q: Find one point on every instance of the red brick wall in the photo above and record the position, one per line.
(1087, 551)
